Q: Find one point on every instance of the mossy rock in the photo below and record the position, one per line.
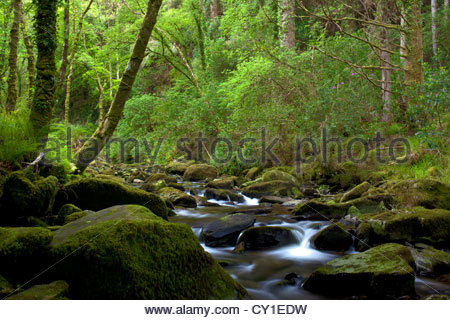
(426, 193)
(415, 225)
(431, 262)
(177, 197)
(108, 177)
(278, 175)
(6, 288)
(256, 238)
(75, 216)
(155, 177)
(199, 172)
(96, 194)
(57, 290)
(226, 230)
(270, 188)
(253, 173)
(56, 170)
(127, 252)
(334, 238)
(23, 251)
(356, 192)
(177, 167)
(23, 198)
(67, 210)
(385, 271)
(222, 194)
(223, 183)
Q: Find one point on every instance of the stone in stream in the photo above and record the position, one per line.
(265, 237)
(57, 290)
(178, 167)
(97, 194)
(273, 199)
(223, 183)
(5, 287)
(414, 225)
(127, 252)
(430, 261)
(177, 197)
(200, 172)
(334, 237)
(222, 194)
(226, 230)
(271, 188)
(385, 271)
(253, 173)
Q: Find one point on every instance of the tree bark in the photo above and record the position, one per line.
(65, 50)
(433, 26)
(71, 60)
(385, 60)
(43, 100)
(445, 11)
(30, 57)
(90, 150)
(215, 9)
(11, 97)
(287, 30)
(413, 63)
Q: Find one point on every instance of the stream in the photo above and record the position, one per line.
(261, 272)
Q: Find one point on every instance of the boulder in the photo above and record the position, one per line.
(334, 237)
(24, 198)
(199, 172)
(274, 200)
(23, 251)
(155, 177)
(57, 290)
(253, 173)
(5, 287)
(271, 188)
(226, 230)
(356, 192)
(222, 194)
(65, 211)
(426, 193)
(431, 262)
(75, 216)
(127, 252)
(278, 175)
(96, 194)
(414, 225)
(223, 183)
(385, 271)
(177, 167)
(266, 237)
(178, 198)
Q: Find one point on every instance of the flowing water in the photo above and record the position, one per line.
(261, 272)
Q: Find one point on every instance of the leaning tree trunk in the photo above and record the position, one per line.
(90, 150)
(43, 100)
(11, 97)
(287, 30)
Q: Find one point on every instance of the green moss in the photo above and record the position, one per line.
(56, 290)
(5, 287)
(276, 188)
(178, 197)
(134, 254)
(356, 192)
(23, 251)
(96, 194)
(67, 209)
(420, 192)
(23, 198)
(155, 177)
(334, 237)
(177, 167)
(256, 238)
(198, 172)
(383, 271)
(279, 175)
(253, 173)
(74, 216)
(411, 225)
(223, 183)
(222, 194)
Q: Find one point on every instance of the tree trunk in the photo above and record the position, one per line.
(65, 50)
(30, 57)
(71, 60)
(11, 97)
(413, 63)
(90, 150)
(215, 9)
(43, 100)
(385, 59)
(445, 11)
(433, 26)
(287, 31)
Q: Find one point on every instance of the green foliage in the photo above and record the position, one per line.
(17, 142)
